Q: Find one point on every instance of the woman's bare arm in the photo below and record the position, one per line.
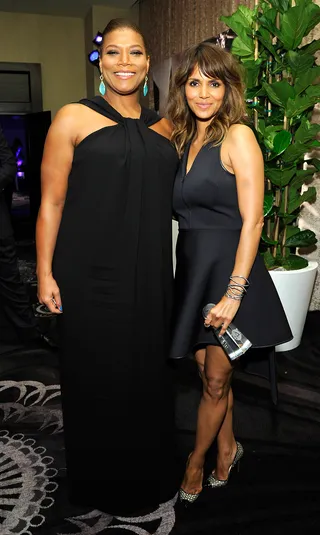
(55, 169)
(246, 162)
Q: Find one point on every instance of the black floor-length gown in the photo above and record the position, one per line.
(113, 264)
(205, 202)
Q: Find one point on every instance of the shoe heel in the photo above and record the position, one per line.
(217, 483)
(186, 499)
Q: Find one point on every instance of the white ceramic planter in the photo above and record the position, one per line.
(295, 291)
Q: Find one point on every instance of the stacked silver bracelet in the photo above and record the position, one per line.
(236, 290)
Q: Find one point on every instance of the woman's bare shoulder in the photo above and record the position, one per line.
(69, 121)
(70, 113)
(167, 126)
(241, 132)
(163, 127)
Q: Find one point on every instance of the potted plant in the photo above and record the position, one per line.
(281, 91)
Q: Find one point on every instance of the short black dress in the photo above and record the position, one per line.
(205, 204)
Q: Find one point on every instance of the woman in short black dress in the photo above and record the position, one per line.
(218, 201)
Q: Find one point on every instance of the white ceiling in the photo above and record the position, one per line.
(69, 8)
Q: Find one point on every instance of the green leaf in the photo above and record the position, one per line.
(300, 104)
(241, 19)
(265, 39)
(268, 260)
(312, 48)
(280, 5)
(281, 142)
(315, 162)
(259, 92)
(272, 94)
(273, 129)
(297, 200)
(251, 94)
(268, 22)
(301, 178)
(293, 24)
(267, 203)
(295, 262)
(252, 70)
(279, 92)
(261, 126)
(308, 78)
(291, 230)
(233, 22)
(313, 12)
(246, 15)
(270, 14)
(237, 28)
(240, 22)
(295, 152)
(306, 131)
(313, 92)
(304, 238)
(302, 2)
(299, 63)
(276, 116)
(305, 173)
(243, 47)
(269, 135)
(288, 219)
(280, 177)
(265, 238)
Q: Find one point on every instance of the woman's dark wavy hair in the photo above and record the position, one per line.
(121, 24)
(216, 63)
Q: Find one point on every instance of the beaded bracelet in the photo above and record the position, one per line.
(236, 290)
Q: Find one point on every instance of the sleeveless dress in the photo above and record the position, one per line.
(206, 206)
(113, 264)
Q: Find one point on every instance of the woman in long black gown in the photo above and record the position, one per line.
(218, 201)
(105, 266)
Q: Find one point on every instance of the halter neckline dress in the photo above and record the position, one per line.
(113, 264)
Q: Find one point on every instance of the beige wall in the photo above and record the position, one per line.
(55, 42)
(89, 34)
(96, 20)
(101, 15)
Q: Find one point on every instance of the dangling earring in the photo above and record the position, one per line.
(145, 86)
(102, 87)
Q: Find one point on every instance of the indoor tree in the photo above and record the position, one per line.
(282, 88)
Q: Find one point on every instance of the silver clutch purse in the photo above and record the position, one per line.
(233, 341)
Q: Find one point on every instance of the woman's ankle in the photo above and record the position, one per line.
(227, 450)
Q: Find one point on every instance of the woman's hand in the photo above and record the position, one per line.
(49, 294)
(222, 314)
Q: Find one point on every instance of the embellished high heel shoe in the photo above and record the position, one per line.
(185, 498)
(213, 482)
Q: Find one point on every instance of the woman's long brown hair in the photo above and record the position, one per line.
(216, 63)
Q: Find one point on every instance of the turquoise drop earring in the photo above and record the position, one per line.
(145, 86)
(102, 87)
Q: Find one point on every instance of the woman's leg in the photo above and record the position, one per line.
(216, 372)
(227, 445)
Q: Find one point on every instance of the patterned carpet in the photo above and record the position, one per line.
(276, 491)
